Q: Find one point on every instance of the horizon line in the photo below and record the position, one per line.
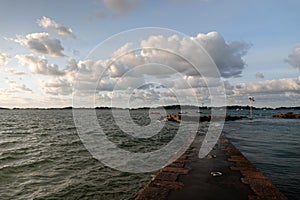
(147, 107)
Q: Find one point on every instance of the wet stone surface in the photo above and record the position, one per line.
(190, 177)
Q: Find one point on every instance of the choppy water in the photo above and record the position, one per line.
(42, 157)
(272, 145)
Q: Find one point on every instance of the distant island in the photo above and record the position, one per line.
(167, 107)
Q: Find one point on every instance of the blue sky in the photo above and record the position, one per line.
(269, 28)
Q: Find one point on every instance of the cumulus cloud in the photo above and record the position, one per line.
(117, 71)
(275, 86)
(84, 70)
(41, 43)
(11, 71)
(4, 58)
(129, 71)
(57, 28)
(294, 58)
(123, 73)
(228, 56)
(121, 6)
(149, 94)
(40, 65)
(15, 87)
(283, 92)
(23, 87)
(58, 86)
(259, 75)
(148, 86)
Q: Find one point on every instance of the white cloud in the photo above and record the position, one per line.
(83, 75)
(86, 71)
(59, 29)
(128, 83)
(15, 87)
(11, 71)
(271, 93)
(121, 6)
(226, 55)
(89, 71)
(40, 65)
(132, 69)
(277, 86)
(4, 58)
(58, 86)
(294, 58)
(17, 99)
(23, 87)
(117, 71)
(41, 43)
(259, 75)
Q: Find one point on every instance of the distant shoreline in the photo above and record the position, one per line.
(234, 107)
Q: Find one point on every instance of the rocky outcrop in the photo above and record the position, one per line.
(288, 115)
(179, 118)
(173, 118)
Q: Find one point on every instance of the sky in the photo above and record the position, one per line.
(133, 53)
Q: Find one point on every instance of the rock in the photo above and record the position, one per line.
(179, 118)
(173, 118)
(288, 115)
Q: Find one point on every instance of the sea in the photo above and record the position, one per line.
(43, 157)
